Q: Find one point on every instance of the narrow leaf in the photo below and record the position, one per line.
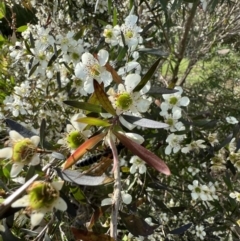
(33, 70)
(80, 179)
(84, 106)
(122, 53)
(144, 122)
(181, 229)
(149, 157)
(59, 80)
(81, 150)
(2, 10)
(42, 132)
(22, 28)
(103, 98)
(93, 121)
(147, 76)
(114, 17)
(114, 73)
(19, 128)
(156, 90)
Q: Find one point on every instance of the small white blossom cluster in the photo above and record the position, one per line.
(130, 31)
(199, 232)
(203, 192)
(171, 112)
(234, 154)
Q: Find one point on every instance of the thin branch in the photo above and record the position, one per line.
(183, 43)
(117, 191)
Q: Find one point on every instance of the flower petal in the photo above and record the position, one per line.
(126, 198)
(126, 123)
(60, 204)
(16, 169)
(15, 136)
(80, 71)
(22, 202)
(35, 160)
(58, 185)
(35, 140)
(106, 201)
(103, 57)
(135, 137)
(184, 101)
(143, 105)
(6, 153)
(132, 80)
(36, 217)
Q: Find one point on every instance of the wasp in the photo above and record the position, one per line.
(89, 160)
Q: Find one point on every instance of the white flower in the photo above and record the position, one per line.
(173, 100)
(126, 198)
(200, 233)
(76, 133)
(193, 170)
(235, 195)
(198, 191)
(172, 121)
(194, 146)
(174, 143)
(111, 35)
(23, 152)
(42, 198)
(130, 31)
(231, 120)
(125, 100)
(91, 68)
(137, 164)
(212, 138)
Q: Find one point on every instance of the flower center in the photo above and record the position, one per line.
(75, 56)
(74, 139)
(173, 100)
(170, 122)
(108, 33)
(42, 195)
(124, 101)
(95, 70)
(23, 151)
(129, 34)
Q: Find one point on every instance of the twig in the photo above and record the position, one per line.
(117, 190)
(183, 44)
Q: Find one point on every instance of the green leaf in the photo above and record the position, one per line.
(122, 53)
(103, 98)
(33, 70)
(109, 6)
(2, 10)
(84, 106)
(42, 132)
(114, 17)
(103, 23)
(80, 33)
(22, 28)
(78, 194)
(93, 121)
(147, 76)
